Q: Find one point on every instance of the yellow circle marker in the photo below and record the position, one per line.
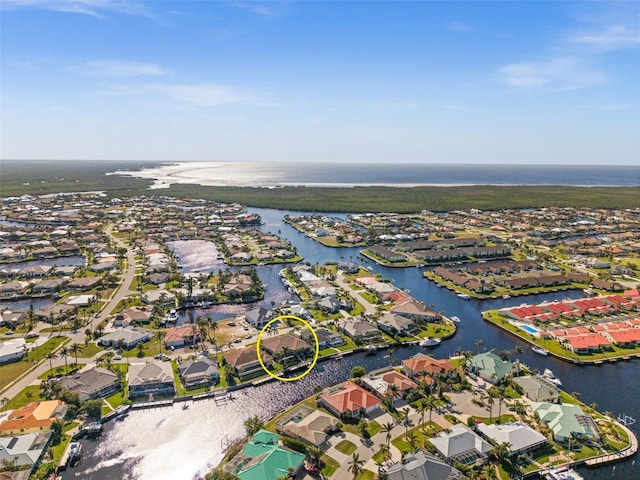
(315, 356)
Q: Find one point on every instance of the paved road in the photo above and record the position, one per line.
(121, 292)
(368, 308)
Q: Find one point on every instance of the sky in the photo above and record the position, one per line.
(302, 81)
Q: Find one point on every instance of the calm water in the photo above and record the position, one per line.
(267, 174)
(176, 444)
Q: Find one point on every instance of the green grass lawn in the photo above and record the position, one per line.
(89, 350)
(26, 396)
(366, 475)
(373, 428)
(330, 465)
(346, 447)
(60, 370)
(431, 428)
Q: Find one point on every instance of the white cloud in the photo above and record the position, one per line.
(202, 95)
(119, 68)
(94, 8)
(613, 37)
(563, 73)
(458, 27)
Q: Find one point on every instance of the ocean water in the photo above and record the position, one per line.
(277, 174)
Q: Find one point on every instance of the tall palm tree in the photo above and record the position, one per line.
(214, 327)
(50, 356)
(479, 343)
(75, 348)
(355, 465)
(406, 421)
(159, 336)
(430, 403)
(387, 428)
(64, 353)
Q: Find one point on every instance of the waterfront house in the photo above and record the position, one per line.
(585, 343)
(349, 400)
(421, 365)
(386, 253)
(82, 284)
(34, 417)
(361, 331)
(14, 289)
(150, 379)
(415, 310)
(520, 437)
(326, 338)
(25, 450)
(182, 336)
(462, 445)
(161, 296)
(201, 371)
(262, 458)
(397, 325)
(12, 319)
(538, 389)
(95, 382)
(244, 362)
(567, 422)
(423, 465)
(491, 367)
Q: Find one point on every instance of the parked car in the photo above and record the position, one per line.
(117, 357)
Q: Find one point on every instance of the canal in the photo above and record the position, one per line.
(171, 443)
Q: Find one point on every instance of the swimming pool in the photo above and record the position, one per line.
(529, 329)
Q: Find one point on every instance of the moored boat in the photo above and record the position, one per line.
(429, 342)
(563, 474)
(549, 375)
(370, 349)
(464, 296)
(540, 350)
(455, 319)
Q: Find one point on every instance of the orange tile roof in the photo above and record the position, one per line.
(34, 415)
(350, 398)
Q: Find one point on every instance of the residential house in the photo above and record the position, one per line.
(201, 371)
(306, 424)
(326, 338)
(128, 337)
(387, 253)
(415, 310)
(12, 350)
(361, 331)
(520, 437)
(34, 417)
(150, 379)
(423, 365)
(279, 345)
(349, 400)
(25, 450)
(491, 367)
(422, 465)
(244, 362)
(95, 382)
(397, 325)
(538, 389)
(264, 459)
(182, 336)
(567, 421)
(462, 445)
(259, 317)
(381, 383)
(82, 284)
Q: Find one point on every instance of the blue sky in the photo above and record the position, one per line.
(351, 81)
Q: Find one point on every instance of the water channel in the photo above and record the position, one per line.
(171, 443)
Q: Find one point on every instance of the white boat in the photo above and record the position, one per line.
(549, 375)
(455, 319)
(429, 342)
(540, 350)
(370, 349)
(464, 296)
(563, 474)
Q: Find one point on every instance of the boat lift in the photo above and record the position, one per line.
(626, 420)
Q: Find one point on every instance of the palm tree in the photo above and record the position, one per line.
(387, 428)
(479, 343)
(159, 336)
(64, 353)
(75, 348)
(315, 453)
(214, 327)
(490, 401)
(50, 356)
(517, 351)
(430, 404)
(422, 409)
(406, 421)
(355, 465)
(412, 440)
